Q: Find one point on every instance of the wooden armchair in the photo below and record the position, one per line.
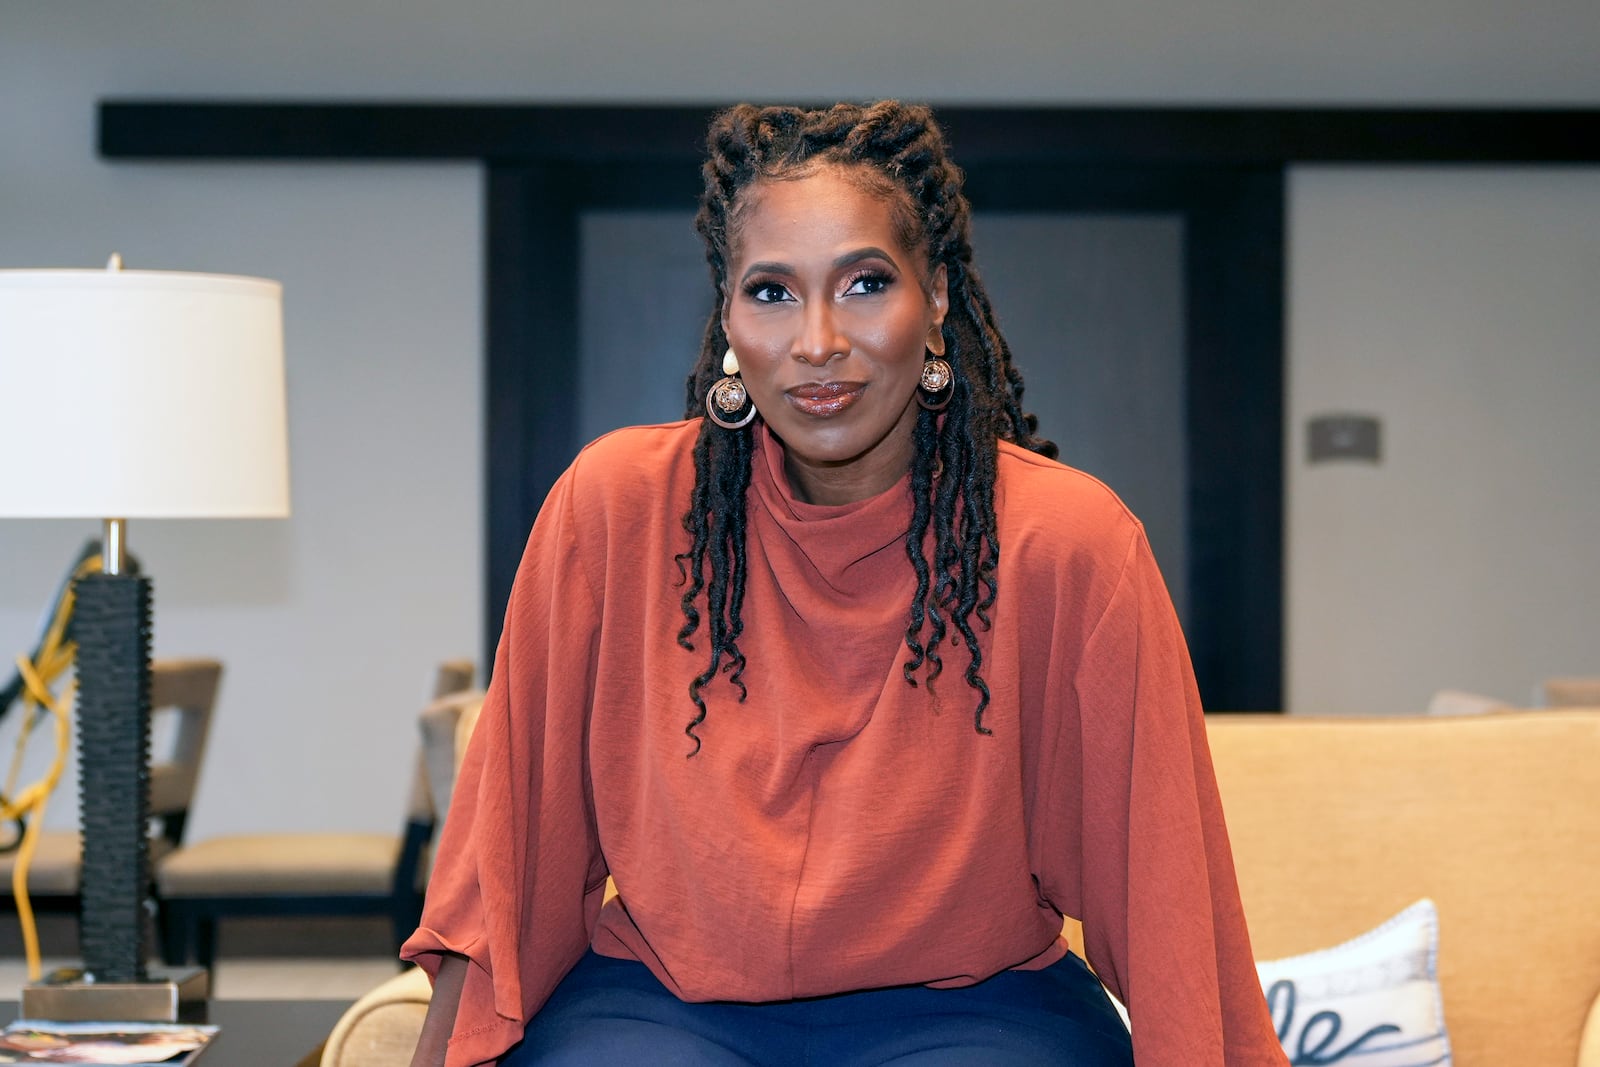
(183, 691)
(301, 874)
(381, 1028)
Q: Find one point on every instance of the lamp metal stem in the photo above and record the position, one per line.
(114, 546)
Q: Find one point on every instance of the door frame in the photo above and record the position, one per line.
(1232, 221)
(1222, 169)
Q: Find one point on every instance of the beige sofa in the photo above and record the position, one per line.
(1338, 824)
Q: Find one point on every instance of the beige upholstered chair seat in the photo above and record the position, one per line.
(183, 693)
(54, 871)
(316, 873)
(253, 864)
(56, 856)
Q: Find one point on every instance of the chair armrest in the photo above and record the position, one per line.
(381, 1029)
(1589, 1046)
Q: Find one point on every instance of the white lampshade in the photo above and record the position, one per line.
(141, 394)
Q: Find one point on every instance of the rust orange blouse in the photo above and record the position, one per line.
(840, 829)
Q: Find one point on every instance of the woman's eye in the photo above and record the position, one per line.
(767, 292)
(868, 284)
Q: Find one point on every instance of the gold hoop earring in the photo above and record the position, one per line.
(727, 397)
(938, 384)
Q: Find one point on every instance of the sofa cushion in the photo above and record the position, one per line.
(1371, 1002)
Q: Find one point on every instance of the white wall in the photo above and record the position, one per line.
(1158, 51)
(1461, 307)
(330, 621)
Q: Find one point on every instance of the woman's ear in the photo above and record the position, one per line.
(939, 303)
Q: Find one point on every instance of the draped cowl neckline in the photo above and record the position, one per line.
(843, 542)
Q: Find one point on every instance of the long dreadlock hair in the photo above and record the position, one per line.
(901, 153)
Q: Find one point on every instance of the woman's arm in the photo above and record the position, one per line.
(1162, 919)
(441, 1018)
(518, 847)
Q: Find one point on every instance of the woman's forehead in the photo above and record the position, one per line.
(823, 208)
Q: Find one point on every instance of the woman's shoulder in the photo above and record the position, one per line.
(660, 440)
(631, 483)
(636, 457)
(1037, 491)
(1059, 524)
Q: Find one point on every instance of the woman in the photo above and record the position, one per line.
(722, 683)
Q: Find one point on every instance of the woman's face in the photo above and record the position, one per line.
(829, 315)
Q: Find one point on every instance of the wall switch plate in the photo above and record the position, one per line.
(1343, 437)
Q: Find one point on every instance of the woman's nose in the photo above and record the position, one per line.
(820, 339)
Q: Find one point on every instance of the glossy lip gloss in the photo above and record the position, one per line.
(825, 399)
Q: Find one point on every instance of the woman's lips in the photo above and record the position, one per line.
(823, 399)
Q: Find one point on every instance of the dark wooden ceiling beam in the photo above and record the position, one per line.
(170, 129)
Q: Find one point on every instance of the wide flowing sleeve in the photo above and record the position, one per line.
(519, 877)
(1163, 925)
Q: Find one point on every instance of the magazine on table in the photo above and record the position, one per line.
(125, 1044)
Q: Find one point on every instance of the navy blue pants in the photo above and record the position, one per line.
(610, 1011)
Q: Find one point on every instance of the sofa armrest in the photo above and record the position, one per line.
(381, 1029)
(1589, 1046)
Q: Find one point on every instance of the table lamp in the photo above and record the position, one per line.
(132, 394)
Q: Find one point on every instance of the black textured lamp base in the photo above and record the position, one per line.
(111, 625)
(161, 997)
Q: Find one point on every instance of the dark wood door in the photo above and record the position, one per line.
(1149, 301)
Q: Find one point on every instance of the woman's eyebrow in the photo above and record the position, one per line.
(855, 256)
(870, 252)
(767, 267)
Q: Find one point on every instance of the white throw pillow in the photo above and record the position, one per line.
(1371, 1002)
